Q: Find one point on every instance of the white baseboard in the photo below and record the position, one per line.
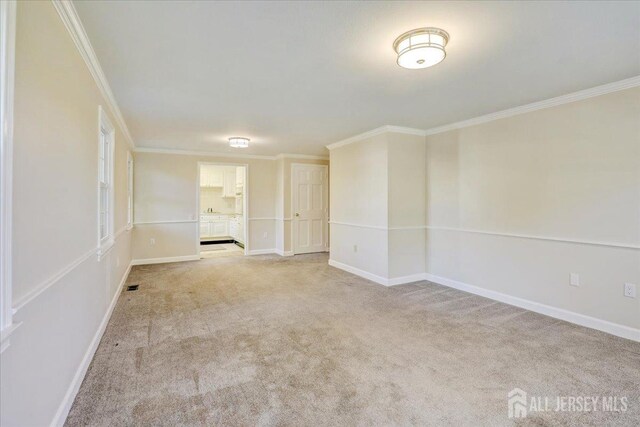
(555, 312)
(270, 251)
(375, 278)
(165, 259)
(261, 251)
(558, 313)
(405, 279)
(284, 253)
(64, 408)
(365, 274)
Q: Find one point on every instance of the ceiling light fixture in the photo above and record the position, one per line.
(239, 142)
(421, 48)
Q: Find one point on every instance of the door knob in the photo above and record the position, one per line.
(297, 214)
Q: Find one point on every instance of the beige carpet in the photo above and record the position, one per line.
(291, 341)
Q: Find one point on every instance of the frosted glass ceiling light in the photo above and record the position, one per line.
(421, 48)
(237, 142)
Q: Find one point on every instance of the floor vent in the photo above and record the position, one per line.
(132, 287)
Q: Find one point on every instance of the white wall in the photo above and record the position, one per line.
(61, 291)
(166, 188)
(570, 172)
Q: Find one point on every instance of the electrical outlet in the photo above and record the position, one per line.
(152, 241)
(629, 290)
(575, 279)
(355, 248)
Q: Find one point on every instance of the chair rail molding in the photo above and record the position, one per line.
(547, 238)
(55, 278)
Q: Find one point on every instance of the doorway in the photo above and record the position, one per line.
(309, 205)
(222, 207)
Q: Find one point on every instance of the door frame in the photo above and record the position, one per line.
(245, 202)
(325, 231)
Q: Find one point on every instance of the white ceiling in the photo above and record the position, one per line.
(295, 76)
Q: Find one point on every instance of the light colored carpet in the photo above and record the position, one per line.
(268, 340)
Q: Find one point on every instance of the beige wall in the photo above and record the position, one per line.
(511, 207)
(166, 188)
(570, 172)
(407, 204)
(378, 205)
(359, 205)
(55, 220)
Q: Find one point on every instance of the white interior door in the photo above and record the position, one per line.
(309, 189)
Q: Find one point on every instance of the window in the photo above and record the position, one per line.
(105, 183)
(129, 190)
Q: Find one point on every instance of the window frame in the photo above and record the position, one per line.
(7, 69)
(106, 167)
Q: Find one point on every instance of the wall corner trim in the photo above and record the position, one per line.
(64, 408)
(74, 26)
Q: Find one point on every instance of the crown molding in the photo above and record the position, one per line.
(548, 103)
(300, 156)
(72, 22)
(375, 132)
(226, 155)
(201, 153)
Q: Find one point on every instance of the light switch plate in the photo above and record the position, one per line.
(575, 279)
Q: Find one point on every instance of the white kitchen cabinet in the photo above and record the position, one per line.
(229, 184)
(233, 228)
(214, 226)
(219, 227)
(210, 177)
(217, 178)
(240, 177)
(204, 229)
(241, 231)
